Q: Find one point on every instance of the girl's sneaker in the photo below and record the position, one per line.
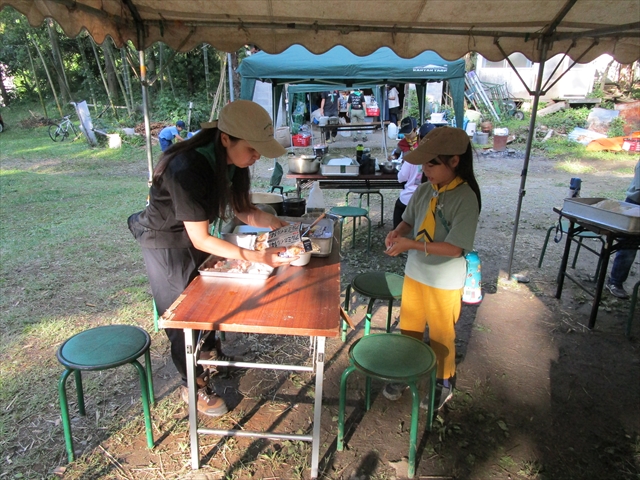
(443, 395)
(393, 391)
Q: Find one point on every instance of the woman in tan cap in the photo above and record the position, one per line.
(437, 229)
(194, 185)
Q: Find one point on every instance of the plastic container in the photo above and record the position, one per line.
(301, 140)
(392, 131)
(481, 138)
(315, 203)
(500, 142)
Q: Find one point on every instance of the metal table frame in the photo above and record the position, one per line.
(251, 307)
(343, 182)
(612, 243)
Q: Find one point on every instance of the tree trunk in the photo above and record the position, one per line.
(46, 70)
(37, 83)
(190, 76)
(58, 64)
(87, 73)
(109, 53)
(236, 77)
(3, 91)
(625, 78)
(110, 71)
(205, 57)
(104, 80)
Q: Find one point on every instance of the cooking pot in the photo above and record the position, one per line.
(304, 164)
(388, 167)
(274, 200)
(294, 207)
(320, 150)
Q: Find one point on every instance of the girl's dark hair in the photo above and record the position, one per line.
(465, 170)
(235, 194)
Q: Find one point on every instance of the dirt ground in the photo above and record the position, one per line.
(539, 395)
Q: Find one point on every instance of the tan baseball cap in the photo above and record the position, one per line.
(439, 141)
(249, 121)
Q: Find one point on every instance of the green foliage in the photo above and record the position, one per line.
(599, 93)
(565, 120)
(616, 127)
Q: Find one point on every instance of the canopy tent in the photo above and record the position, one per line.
(580, 29)
(339, 68)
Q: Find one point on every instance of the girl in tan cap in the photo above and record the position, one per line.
(193, 186)
(437, 229)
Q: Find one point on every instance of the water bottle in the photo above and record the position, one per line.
(472, 292)
(359, 152)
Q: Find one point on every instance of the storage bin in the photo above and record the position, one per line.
(300, 140)
(372, 111)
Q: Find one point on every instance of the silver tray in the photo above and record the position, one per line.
(265, 272)
(582, 208)
(339, 166)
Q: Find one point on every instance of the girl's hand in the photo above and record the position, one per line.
(391, 238)
(270, 257)
(398, 245)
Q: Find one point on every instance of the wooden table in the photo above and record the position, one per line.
(612, 243)
(292, 301)
(351, 127)
(340, 182)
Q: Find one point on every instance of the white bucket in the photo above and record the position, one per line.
(392, 131)
(437, 117)
(471, 129)
(473, 115)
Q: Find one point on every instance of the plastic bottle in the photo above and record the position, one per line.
(359, 152)
(315, 203)
(472, 286)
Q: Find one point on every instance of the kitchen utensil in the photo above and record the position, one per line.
(320, 150)
(274, 200)
(388, 167)
(304, 164)
(313, 224)
(294, 206)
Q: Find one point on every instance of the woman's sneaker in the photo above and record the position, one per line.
(443, 395)
(393, 391)
(208, 403)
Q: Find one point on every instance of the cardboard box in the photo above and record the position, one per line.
(300, 140)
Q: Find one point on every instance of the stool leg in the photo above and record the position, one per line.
(389, 316)
(64, 411)
(381, 209)
(147, 367)
(343, 401)
(432, 394)
(413, 436)
(347, 299)
(354, 232)
(367, 317)
(155, 317)
(79, 391)
(145, 402)
(369, 233)
(341, 224)
(544, 245)
(575, 256)
(632, 308)
(367, 393)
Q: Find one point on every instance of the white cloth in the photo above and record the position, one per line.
(395, 101)
(412, 175)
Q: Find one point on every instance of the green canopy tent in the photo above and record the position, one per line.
(339, 68)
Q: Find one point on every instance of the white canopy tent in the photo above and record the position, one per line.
(539, 29)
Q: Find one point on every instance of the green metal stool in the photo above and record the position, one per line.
(632, 308)
(368, 193)
(102, 348)
(352, 212)
(562, 227)
(376, 286)
(392, 358)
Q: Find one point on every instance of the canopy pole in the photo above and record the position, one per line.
(145, 109)
(527, 154)
(230, 77)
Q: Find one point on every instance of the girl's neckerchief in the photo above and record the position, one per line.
(428, 226)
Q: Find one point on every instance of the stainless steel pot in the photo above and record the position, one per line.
(388, 167)
(304, 164)
(274, 200)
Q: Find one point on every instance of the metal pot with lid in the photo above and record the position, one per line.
(303, 164)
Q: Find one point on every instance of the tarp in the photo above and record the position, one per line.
(450, 27)
(340, 69)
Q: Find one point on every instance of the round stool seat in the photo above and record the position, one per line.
(104, 347)
(392, 357)
(379, 285)
(349, 211)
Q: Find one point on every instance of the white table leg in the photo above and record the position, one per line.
(189, 342)
(317, 409)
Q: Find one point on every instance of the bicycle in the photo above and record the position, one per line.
(60, 132)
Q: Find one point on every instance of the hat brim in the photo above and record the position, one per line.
(269, 149)
(406, 129)
(420, 155)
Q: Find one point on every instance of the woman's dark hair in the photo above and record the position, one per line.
(237, 191)
(465, 170)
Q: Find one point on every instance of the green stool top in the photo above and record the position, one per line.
(104, 347)
(392, 357)
(349, 211)
(379, 285)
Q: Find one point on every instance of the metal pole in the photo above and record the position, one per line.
(145, 109)
(230, 78)
(527, 154)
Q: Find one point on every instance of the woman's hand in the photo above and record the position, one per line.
(271, 257)
(258, 218)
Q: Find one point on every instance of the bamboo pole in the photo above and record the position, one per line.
(104, 80)
(35, 77)
(46, 70)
